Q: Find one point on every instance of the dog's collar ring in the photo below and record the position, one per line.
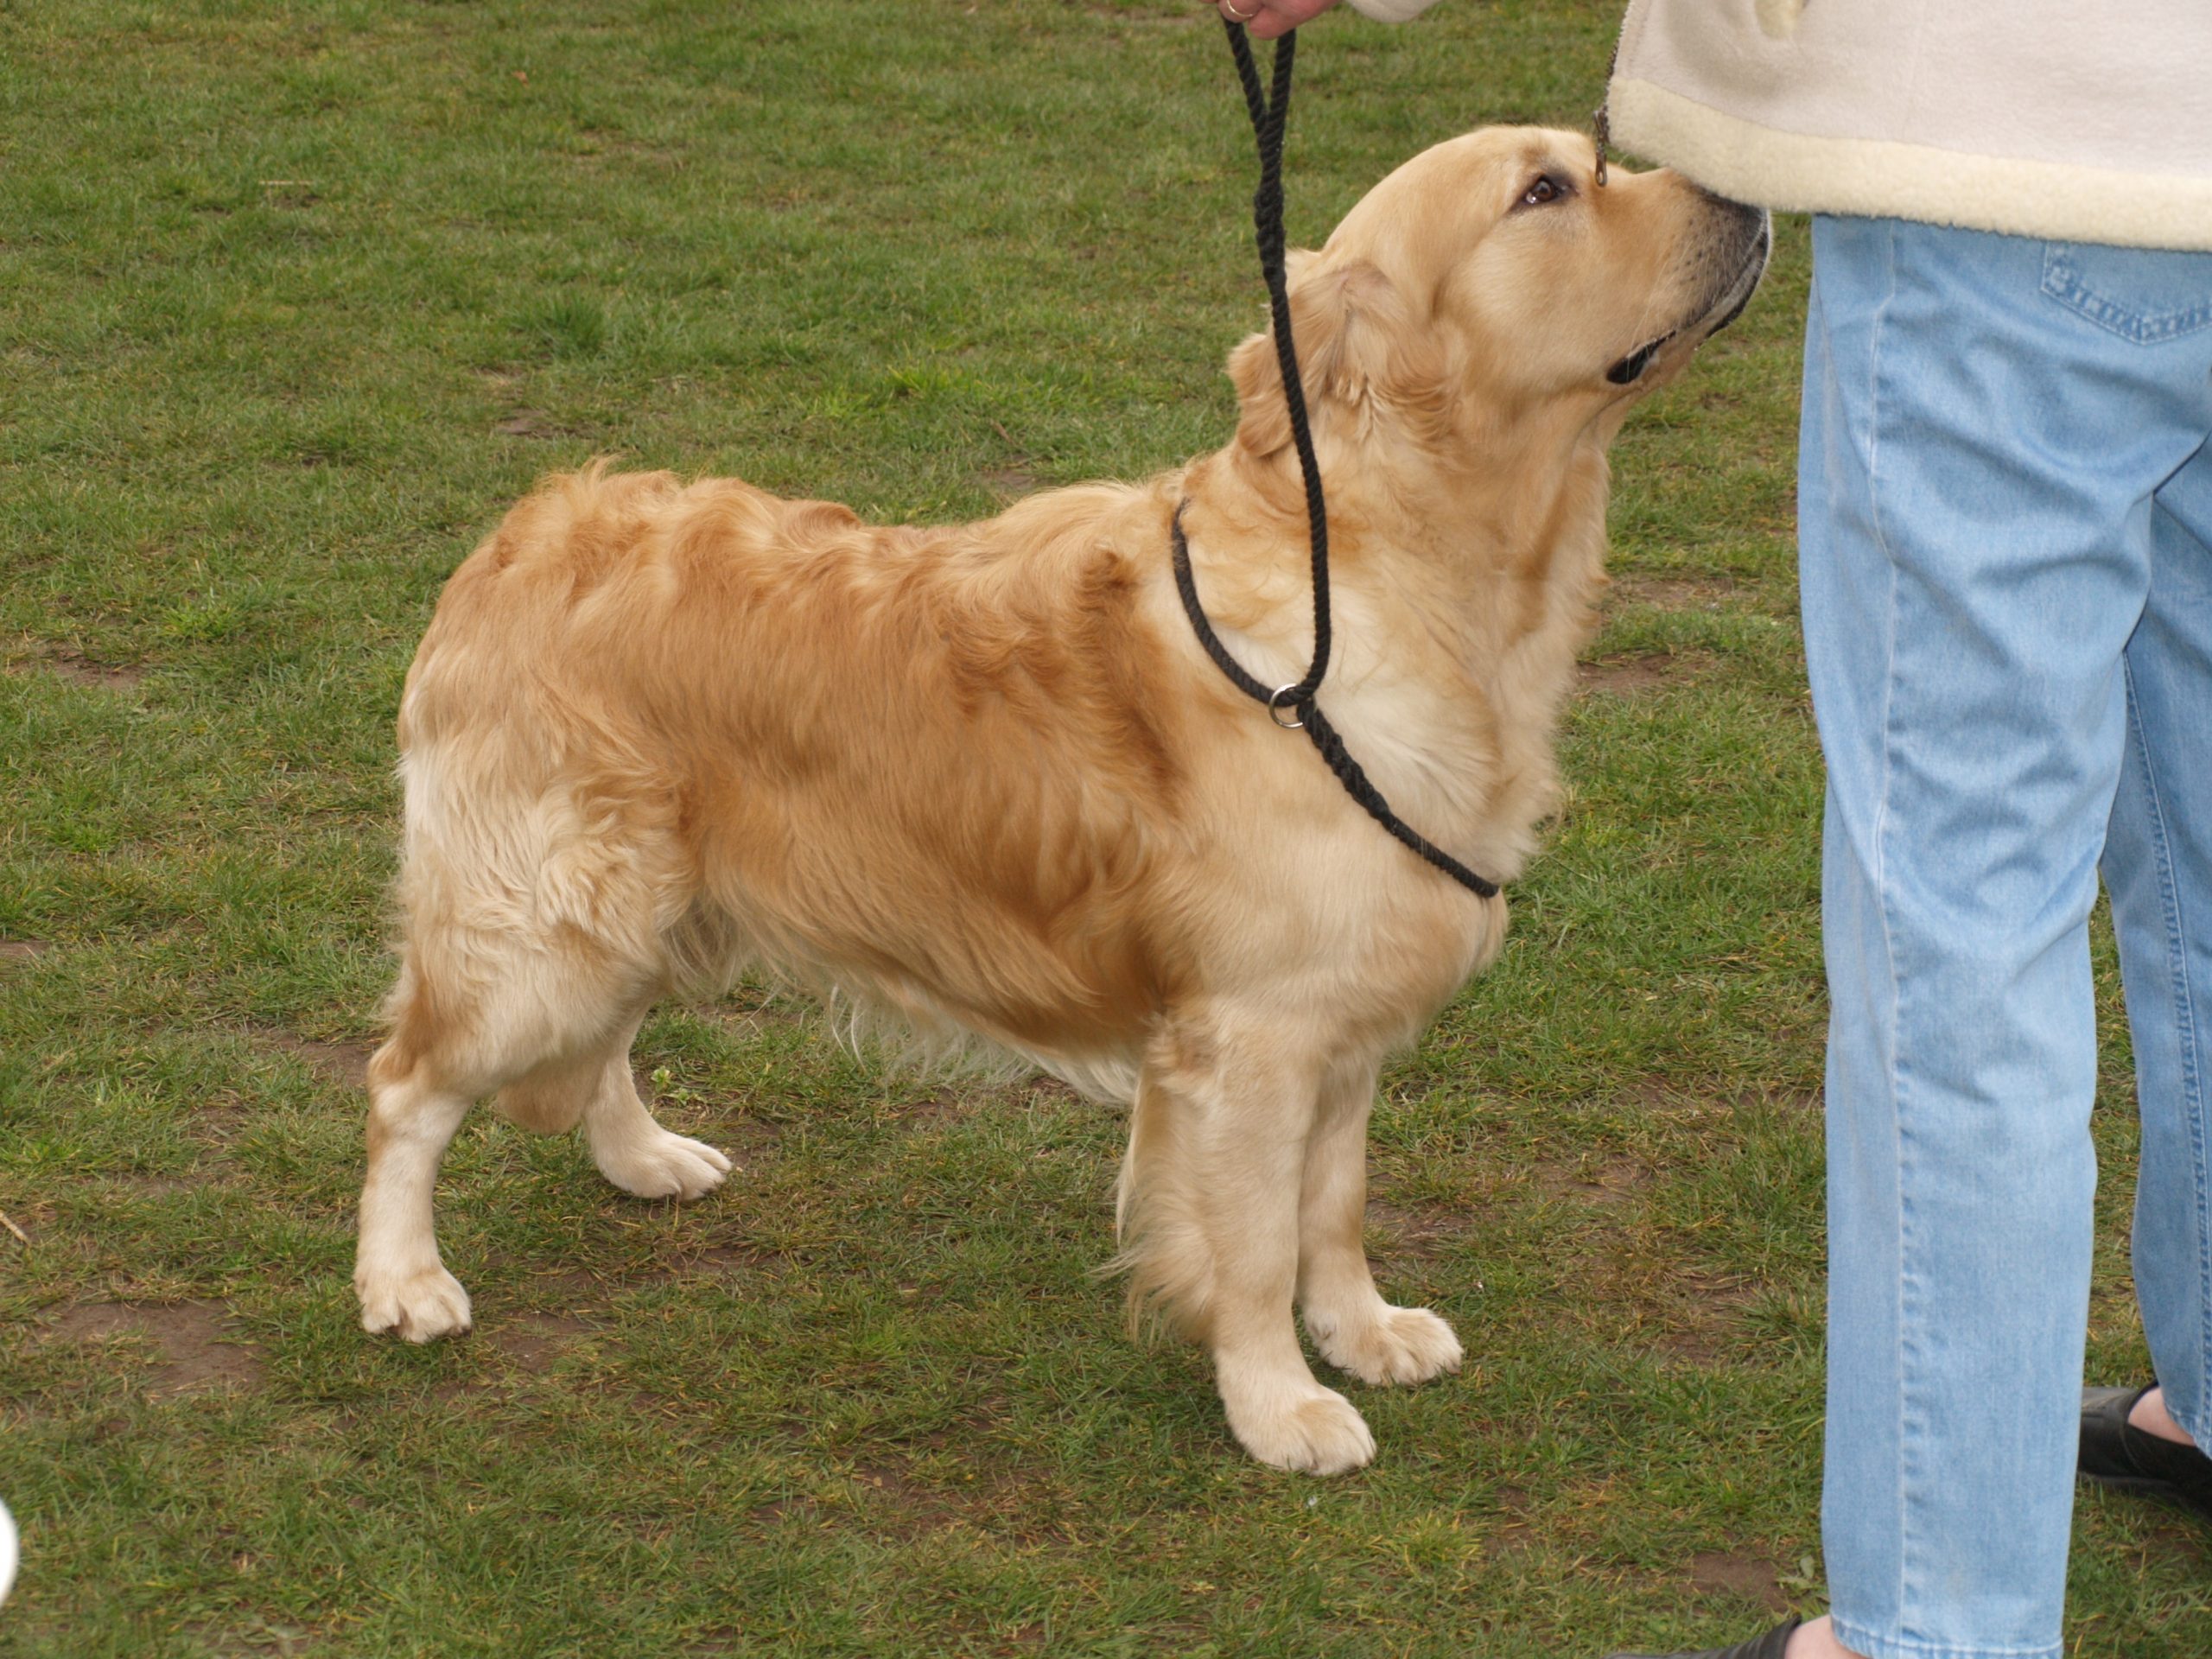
(1287, 699)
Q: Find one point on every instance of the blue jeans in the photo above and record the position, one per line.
(2006, 528)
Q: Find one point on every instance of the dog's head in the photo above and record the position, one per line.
(1490, 282)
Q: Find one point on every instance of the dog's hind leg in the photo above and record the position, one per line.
(634, 1152)
(537, 914)
(476, 1012)
(1209, 1205)
(413, 1113)
(417, 1101)
(597, 1090)
(1355, 1329)
(468, 1017)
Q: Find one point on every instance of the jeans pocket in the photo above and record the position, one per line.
(2142, 295)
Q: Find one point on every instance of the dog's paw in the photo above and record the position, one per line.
(1314, 1431)
(1396, 1345)
(666, 1167)
(420, 1307)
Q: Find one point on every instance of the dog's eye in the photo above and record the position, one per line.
(1545, 190)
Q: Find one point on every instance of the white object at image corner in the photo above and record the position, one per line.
(7, 1552)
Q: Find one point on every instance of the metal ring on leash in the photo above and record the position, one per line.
(1291, 696)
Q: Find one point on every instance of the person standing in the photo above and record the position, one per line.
(2005, 536)
(2005, 531)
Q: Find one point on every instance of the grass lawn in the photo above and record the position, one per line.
(295, 298)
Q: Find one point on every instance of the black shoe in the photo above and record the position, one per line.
(2128, 1460)
(1769, 1646)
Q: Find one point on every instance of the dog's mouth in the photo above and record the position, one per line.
(1723, 308)
(1746, 283)
(1630, 369)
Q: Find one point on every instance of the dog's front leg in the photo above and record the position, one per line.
(1209, 1205)
(1355, 1329)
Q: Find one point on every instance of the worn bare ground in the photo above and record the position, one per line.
(531, 423)
(1702, 1318)
(1609, 1183)
(1009, 482)
(256, 1639)
(194, 1345)
(1702, 593)
(530, 1342)
(1624, 676)
(1414, 1232)
(520, 1346)
(904, 1498)
(1751, 1576)
(67, 663)
(347, 1062)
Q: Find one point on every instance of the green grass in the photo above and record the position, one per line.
(293, 300)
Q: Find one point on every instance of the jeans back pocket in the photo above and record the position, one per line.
(2142, 295)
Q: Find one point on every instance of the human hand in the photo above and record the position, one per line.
(1268, 18)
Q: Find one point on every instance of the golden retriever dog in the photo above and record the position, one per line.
(984, 778)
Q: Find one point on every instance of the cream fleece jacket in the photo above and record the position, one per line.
(1392, 11)
(2039, 118)
(2049, 118)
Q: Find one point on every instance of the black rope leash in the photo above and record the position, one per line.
(1268, 115)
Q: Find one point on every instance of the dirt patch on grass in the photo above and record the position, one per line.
(1638, 671)
(1671, 593)
(530, 1342)
(775, 1510)
(512, 1351)
(1611, 1183)
(80, 670)
(529, 423)
(571, 1308)
(255, 1639)
(1412, 1232)
(22, 949)
(1615, 1183)
(194, 1346)
(958, 1099)
(902, 1499)
(347, 1062)
(65, 663)
(1753, 1578)
(1008, 482)
(728, 1263)
(938, 1106)
(1700, 1315)
(1512, 1529)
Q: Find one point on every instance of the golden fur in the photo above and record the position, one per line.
(984, 776)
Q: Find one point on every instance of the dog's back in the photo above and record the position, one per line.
(642, 713)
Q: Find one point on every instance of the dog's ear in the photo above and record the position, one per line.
(1359, 345)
